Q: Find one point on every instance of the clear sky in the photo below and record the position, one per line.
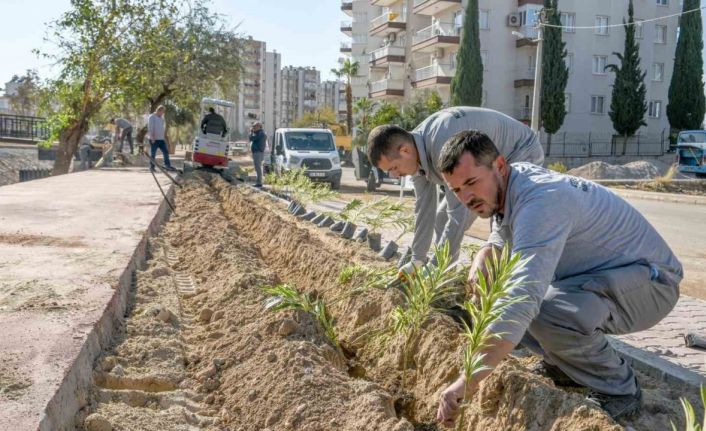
(305, 32)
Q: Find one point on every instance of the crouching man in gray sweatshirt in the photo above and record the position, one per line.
(596, 267)
(416, 153)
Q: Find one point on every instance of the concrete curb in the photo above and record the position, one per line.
(661, 197)
(72, 394)
(656, 367)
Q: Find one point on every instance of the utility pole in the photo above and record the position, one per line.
(536, 97)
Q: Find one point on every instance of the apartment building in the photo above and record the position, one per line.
(361, 42)
(272, 84)
(419, 39)
(331, 96)
(300, 87)
(251, 92)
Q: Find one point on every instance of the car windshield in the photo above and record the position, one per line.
(310, 141)
(696, 137)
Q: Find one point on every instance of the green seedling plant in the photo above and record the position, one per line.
(382, 212)
(470, 249)
(426, 289)
(492, 296)
(352, 211)
(692, 422)
(372, 278)
(285, 297)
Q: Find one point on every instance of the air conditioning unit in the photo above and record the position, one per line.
(438, 53)
(513, 20)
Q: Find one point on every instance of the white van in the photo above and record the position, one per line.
(312, 149)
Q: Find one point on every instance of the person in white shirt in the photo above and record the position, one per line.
(156, 133)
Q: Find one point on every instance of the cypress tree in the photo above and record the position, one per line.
(686, 106)
(555, 74)
(467, 84)
(627, 105)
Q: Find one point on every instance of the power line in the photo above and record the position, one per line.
(636, 23)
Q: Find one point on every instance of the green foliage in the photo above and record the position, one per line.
(492, 298)
(285, 297)
(369, 278)
(300, 186)
(320, 118)
(26, 100)
(470, 249)
(686, 106)
(382, 212)
(467, 84)
(363, 108)
(352, 211)
(558, 167)
(348, 70)
(555, 74)
(627, 105)
(692, 422)
(387, 113)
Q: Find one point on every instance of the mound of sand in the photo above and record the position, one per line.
(641, 170)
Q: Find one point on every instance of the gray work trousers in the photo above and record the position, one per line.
(442, 218)
(257, 159)
(577, 313)
(84, 152)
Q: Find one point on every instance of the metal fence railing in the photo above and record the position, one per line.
(23, 127)
(602, 144)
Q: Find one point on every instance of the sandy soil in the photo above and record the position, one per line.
(199, 351)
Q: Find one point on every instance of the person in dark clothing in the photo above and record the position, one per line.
(258, 142)
(123, 131)
(214, 123)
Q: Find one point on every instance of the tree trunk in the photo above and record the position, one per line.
(625, 143)
(68, 144)
(349, 108)
(549, 144)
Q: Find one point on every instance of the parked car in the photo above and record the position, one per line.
(691, 152)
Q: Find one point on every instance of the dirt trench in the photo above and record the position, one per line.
(199, 351)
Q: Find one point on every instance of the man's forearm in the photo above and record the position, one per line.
(494, 354)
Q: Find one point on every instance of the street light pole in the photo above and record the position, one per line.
(536, 97)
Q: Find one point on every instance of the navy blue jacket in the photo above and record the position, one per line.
(258, 141)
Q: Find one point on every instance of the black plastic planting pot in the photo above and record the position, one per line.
(316, 220)
(291, 206)
(326, 222)
(298, 210)
(348, 230)
(374, 241)
(361, 234)
(389, 250)
(308, 216)
(338, 226)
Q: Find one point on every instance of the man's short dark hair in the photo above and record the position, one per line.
(112, 121)
(475, 142)
(386, 140)
(211, 110)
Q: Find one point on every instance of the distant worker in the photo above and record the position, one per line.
(156, 133)
(214, 123)
(416, 153)
(84, 153)
(123, 130)
(258, 142)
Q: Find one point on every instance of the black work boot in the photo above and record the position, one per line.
(553, 373)
(617, 406)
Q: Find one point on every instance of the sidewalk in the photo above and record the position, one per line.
(68, 247)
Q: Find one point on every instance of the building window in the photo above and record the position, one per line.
(660, 34)
(663, 2)
(602, 25)
(599, 64)
(638, 29)
(567, 102)
(597, 105)
(654, 109)
(569, 61)
(484, 59)
(484, 19)
(458, 22)
(657, 71)
(568, 21)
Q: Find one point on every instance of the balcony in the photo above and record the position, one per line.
(347, 7)
(391, 22)
(438, 35)
(524, 77)
(386, 55)
(523, 113)
(383, 2)
(346, 48)
(347, 27)
(436, 74)
(530, 34)
(387, 87)
(433, 7)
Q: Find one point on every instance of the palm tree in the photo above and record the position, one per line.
(363, 107)
(348, 70)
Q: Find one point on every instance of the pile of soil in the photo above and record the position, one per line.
(641, 170)
(209, 356)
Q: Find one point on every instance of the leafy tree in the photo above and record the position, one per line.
(321, 117)
(419, 109)
(94, 48)
(628, 107)
(686, 106)
(387, 113)
(467, 84)
(555, 74)
(26, 100)
(348, 71)
(363, 108)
